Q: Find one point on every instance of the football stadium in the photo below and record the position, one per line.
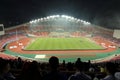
(63, 36)
(59, 39)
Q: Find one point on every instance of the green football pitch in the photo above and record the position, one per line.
(62, 44)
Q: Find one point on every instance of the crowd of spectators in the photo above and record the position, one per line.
(20, 69)
(9, 38)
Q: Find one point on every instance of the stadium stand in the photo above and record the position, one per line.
(23, 70)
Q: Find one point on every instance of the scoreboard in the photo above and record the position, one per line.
(116, 33)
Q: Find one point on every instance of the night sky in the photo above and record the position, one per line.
(105, 13)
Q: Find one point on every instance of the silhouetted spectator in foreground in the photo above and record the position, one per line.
(70, 66)
(54, 73)
(19, 63)
(31, 71)
(5, 73)
(110, 70)
(117, 76)
(79, 75)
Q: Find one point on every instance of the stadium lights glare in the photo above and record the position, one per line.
(75, 19)
(38, 19)
(86, 23)
(78, 20)
(69, 18)
(82, 21)
(57, 15)
(44, 18)
(31, 22)
(35, 20)
(72, 18)
(62, 15)
(53, 16)
(41, 19)
(48, 17)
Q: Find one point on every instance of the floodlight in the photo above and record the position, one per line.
(35, 20)
(31, 22)
(57, 15)
(72, 18)
(48, 17)
(53, 16)
(44, 18)
(38, 19)
(78, 20)
(82, 21)
(66, 17)
(41, 19)
(86, 23)
(75, 19)
(62, 15)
